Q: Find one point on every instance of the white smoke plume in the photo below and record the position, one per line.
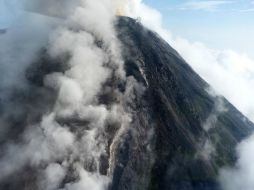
(88, 39)
(219, 108)
(19, 46)
(240, 176)
(60, 8)
(14, 58)
(52, 176)
(126, 7)
(207, 148)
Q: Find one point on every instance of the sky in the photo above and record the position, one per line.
(220, 24)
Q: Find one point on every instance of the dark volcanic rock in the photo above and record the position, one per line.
(175, 105)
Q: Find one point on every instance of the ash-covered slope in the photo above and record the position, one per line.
(161, 128)
(194, 131)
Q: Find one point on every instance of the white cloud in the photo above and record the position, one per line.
(88, 181)
(241, 176)
(246, 10)
(231, 74)
(203, 5)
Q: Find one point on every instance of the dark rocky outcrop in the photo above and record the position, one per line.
(174, 106)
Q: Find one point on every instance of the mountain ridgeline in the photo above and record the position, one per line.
(180, 134)
(193, 136)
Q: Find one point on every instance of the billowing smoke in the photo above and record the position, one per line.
(69, 145)
(219, 108)
(240, 176)
(61, 7)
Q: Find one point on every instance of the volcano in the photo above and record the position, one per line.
(180, 134)
(175, 104)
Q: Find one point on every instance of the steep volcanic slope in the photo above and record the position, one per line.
(179, 136)
(194, 132)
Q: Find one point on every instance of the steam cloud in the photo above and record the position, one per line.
(53, 145)
(207, 149)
